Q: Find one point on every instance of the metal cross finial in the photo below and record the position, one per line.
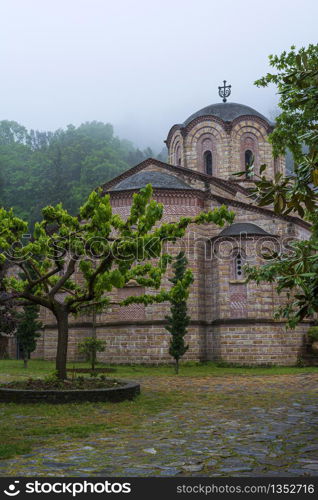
(224, 91)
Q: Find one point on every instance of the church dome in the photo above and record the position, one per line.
(156, 179)
(227, 111)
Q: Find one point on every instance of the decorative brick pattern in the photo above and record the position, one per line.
(132, 312)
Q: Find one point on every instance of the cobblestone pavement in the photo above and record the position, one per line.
(238, 426)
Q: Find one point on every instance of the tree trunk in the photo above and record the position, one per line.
(93, 359)
(25, 359)
(177, 366)
(62, 341)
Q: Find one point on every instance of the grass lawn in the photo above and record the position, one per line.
(24, 427)
(12, 369)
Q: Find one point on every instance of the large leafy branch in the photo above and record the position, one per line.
(295, 272)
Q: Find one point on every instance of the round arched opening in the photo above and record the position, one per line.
(207, 157)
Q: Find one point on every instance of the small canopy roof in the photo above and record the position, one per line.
(243, 228)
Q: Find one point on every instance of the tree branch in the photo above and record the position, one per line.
(70, 270)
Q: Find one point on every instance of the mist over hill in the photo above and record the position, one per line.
(42, 168)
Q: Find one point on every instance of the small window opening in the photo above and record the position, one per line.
(249, 162)
(208, 162)
(239, 266)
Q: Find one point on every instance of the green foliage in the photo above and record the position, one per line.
(297, 85)
(40, 168)
(313, 334)
(109, 251)
(179, 320)
(296, 129)
(28, 328)
(295, 271)
(90, 346)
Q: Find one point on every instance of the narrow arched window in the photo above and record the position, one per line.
(239, 267)
(249, 162)
(177, 155)
(208, 162)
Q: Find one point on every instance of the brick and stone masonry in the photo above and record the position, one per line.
(231, 320)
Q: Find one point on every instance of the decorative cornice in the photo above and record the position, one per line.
(149, 322)
(252, 321)
(268, 127)
(170, 193)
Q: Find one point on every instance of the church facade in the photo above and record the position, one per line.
(232, 320)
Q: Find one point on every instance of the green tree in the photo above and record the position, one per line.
(27, 331)
(8, 320)
(179, 320)
(108, 251)
(295, 272)
(90, 346)
(40, 168)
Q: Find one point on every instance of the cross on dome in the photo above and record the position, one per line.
(224, 91)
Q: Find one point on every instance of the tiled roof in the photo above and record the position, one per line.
(156, 179)
(227, 111)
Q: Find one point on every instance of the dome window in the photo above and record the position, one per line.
(177, 155)
(207, 157)
(249, 163)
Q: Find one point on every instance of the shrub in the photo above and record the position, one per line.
(91, 346)
(313, 334)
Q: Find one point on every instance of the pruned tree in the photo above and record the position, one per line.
(178, 320)
(107, 250)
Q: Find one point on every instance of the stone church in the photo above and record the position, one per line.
(231, 319)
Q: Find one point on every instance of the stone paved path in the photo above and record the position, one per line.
(240, 426)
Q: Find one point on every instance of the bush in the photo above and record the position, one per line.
(313, 334)
(91, 346)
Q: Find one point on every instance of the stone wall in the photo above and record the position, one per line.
(218, 303)
(146, 343)
(256, 343)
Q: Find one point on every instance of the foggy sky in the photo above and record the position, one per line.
(140, 65)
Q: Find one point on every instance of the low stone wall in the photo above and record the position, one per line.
(256, 343)
(47, 343)
(242, 341)
(147, 344)
(113, 394)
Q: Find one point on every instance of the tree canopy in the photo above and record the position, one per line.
(295, 272)
(106, 249)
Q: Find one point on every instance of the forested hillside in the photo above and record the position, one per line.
(41, 168)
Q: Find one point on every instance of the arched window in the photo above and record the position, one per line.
(208, 162)
(177, 155)
(249, 162)
(239, 262)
